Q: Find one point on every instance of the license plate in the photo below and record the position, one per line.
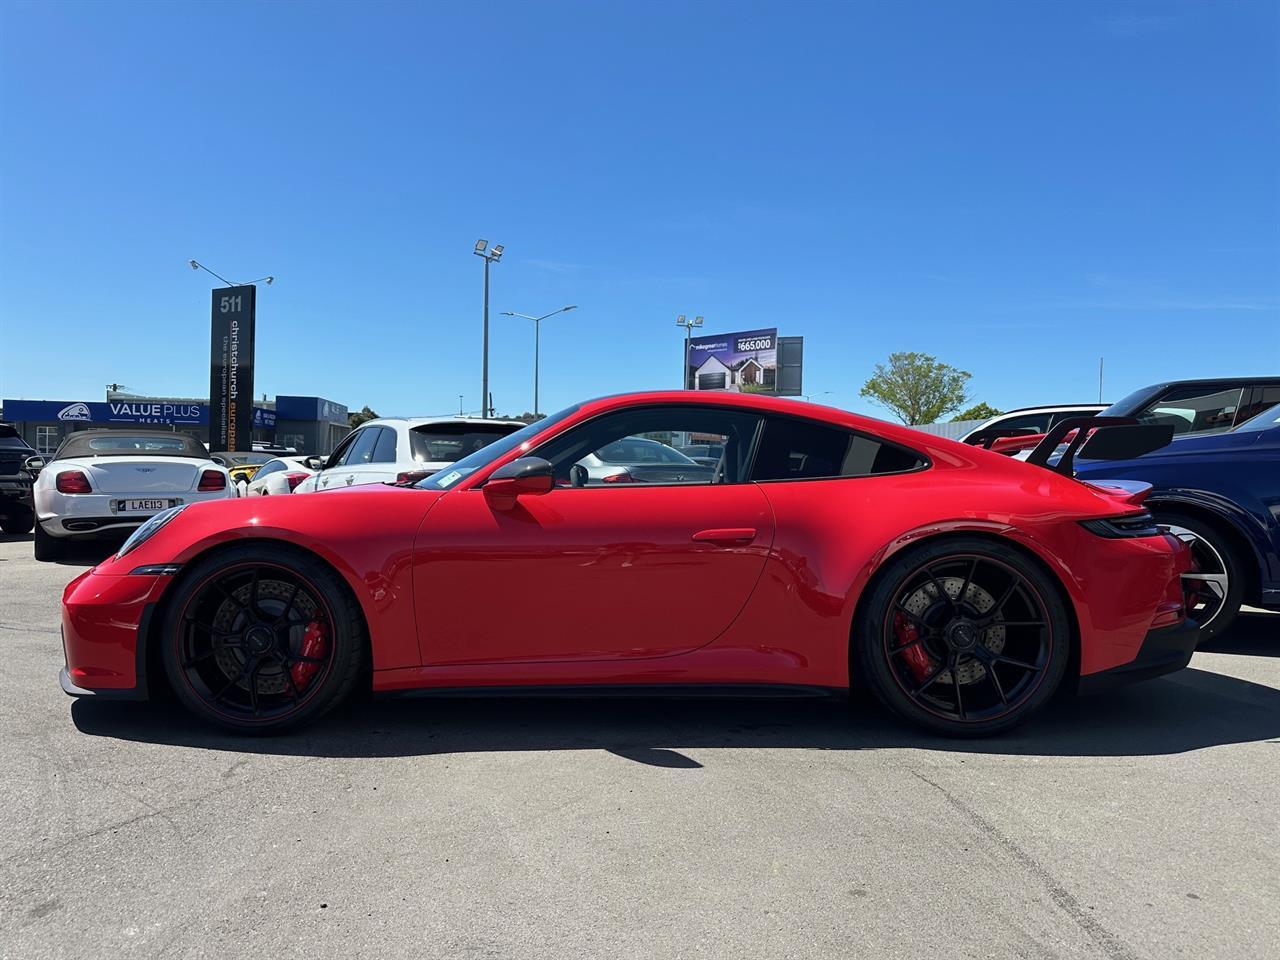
(145, 506)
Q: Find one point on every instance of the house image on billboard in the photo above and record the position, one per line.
(745, 374)
(712, 375)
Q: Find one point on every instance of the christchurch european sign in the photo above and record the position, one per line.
(231, 368)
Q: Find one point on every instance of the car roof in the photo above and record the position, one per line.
(763, 403)
(412, 422)
(1054, 406)
(1217, 381)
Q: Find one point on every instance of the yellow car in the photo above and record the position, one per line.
(241, 464)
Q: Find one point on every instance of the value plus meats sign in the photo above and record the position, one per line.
(231, 369)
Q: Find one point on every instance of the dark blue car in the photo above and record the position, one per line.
(1221, 493)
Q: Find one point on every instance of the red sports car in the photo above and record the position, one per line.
(963, 587)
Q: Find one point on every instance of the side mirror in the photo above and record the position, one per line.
(316, 463)
(33, 464)
(528, 476)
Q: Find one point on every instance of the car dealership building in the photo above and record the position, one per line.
(308, 424)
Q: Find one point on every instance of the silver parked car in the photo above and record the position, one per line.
(638, 460)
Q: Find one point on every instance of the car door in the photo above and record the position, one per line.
(336, 472)
(258, 486)
(374, 461)
(596, 572)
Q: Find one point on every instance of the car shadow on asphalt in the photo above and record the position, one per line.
(1252, 635)
(1190, 710)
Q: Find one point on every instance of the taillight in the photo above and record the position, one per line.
(211, 480)
(294, 479)
(73, 481)
(623, 477)
(406, 477)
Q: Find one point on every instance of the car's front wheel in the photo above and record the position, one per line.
(964, 636)
(261, 638)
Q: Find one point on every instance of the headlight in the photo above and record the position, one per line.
(148, 529)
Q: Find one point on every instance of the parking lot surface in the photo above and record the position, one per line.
(1140, 824)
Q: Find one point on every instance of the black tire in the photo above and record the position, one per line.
(939, 663)
(48, 548)
(1211, 548)
(252, 608)
(18, 522)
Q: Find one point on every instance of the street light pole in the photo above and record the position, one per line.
(537, 342)
(490, 256)
(683, 321)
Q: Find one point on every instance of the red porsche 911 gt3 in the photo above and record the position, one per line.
(963, 587)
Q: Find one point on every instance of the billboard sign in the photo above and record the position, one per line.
(231, 368)
(745, 362)
(135, 412)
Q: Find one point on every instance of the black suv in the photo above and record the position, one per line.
(17, 471)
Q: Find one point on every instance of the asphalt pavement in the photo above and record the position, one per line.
(1140, 824)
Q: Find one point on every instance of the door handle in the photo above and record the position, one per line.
(726, 535)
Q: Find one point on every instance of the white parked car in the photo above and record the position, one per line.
(278, 476)
(404, 450)
(110, 481)
(1038, 419)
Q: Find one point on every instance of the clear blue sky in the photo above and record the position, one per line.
(1014, 187)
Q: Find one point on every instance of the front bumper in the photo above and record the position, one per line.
(1165, 650)
(105, 626)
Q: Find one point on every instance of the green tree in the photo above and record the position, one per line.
(979, 411)
(363, 415)
(917, 388)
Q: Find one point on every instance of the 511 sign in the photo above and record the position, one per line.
(231, 368)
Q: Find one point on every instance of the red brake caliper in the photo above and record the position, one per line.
(907, 633)
(315, 643)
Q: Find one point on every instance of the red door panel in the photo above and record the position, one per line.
(587, 573)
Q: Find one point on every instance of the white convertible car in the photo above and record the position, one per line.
(103, 482)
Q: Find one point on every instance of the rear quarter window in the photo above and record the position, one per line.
(807, 450)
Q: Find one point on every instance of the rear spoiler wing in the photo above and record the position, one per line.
(1099, 438)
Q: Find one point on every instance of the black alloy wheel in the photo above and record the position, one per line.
(968, 637)
(262, 639)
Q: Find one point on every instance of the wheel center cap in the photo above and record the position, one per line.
(259, 638)
(962, 635)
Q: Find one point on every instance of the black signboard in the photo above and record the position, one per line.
(231, 369)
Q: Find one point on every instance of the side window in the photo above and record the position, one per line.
(640, 446)
(341, 452)
(385, 449)
(1263, 398)
(1039, 422)
(360, 449)
(808, 450)
(268, 468)
(1194, 409)
(1068, 415)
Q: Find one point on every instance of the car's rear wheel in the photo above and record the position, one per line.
(964, 636)
(262, 638)
(48, 547)
(1214, 588)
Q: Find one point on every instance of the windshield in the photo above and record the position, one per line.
(242, 459)
(1127, 406)
(521, 440)
(126, 444)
